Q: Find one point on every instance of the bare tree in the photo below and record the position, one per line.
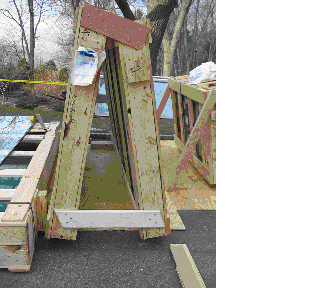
(170, 46)
(40, 10)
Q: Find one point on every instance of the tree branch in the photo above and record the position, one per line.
(125, 9)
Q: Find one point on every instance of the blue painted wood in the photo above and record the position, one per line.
(12, 130)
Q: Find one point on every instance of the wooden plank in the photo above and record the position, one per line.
(17, 255)
(12, 130)
(212, 160)
(186, 267)
(175, 114)
(22, 153)
(27, 188)
(194, 92)
(6, 194)
(37, 130)
(135, 64)
(109, 218)
(15, 213)
(174, 84)
(146, 22)
(191, 114)
(32, 138)
(180, 118)
(144, 140)
(41, 204)
(38, 126)
(48, 167)
(197, 132)
(12, 172)
(12, 235)
(75, 133)
(108, 24)
(96, 142)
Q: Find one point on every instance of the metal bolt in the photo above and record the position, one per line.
(99, 26)
(139, 28)
(88, 15)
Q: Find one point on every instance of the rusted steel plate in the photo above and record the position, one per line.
(118, 28)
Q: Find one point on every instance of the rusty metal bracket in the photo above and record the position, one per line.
(121, 29)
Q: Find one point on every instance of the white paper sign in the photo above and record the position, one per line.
(84, 67)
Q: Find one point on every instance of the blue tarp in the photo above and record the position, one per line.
(12, 129)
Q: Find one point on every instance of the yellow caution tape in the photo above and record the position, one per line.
(35, 82)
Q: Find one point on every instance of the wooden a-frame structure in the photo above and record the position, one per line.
(124, 59)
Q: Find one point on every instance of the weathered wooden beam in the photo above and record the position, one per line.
(109, 218)
(27, 189)
(32, 138)
(108, 24)
(6, 194)
(186, 267)
(74, 138)
(37, 130)
(12, 172)
(22, 153)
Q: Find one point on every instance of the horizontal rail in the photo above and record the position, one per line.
(32, 138)
(109, 218)
(101, 142)
(12, 172)
(37, 130)
(22, 153)
(6, 194)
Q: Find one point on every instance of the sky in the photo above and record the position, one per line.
(46, 44)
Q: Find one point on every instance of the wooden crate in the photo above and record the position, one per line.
(187, 104)
(25, 214)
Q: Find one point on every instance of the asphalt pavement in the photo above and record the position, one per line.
(120, 258)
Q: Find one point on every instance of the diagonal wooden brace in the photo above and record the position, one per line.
(163, 102)
(197, 132)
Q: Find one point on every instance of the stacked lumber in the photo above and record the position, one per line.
(24, 216)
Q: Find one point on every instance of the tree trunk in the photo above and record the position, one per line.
(75, 4)
(24, 38)
(159, 12)
(186, 47)
(166, 54)
(32, 39)
(125, 9)
(176, 35)
(194, 34)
